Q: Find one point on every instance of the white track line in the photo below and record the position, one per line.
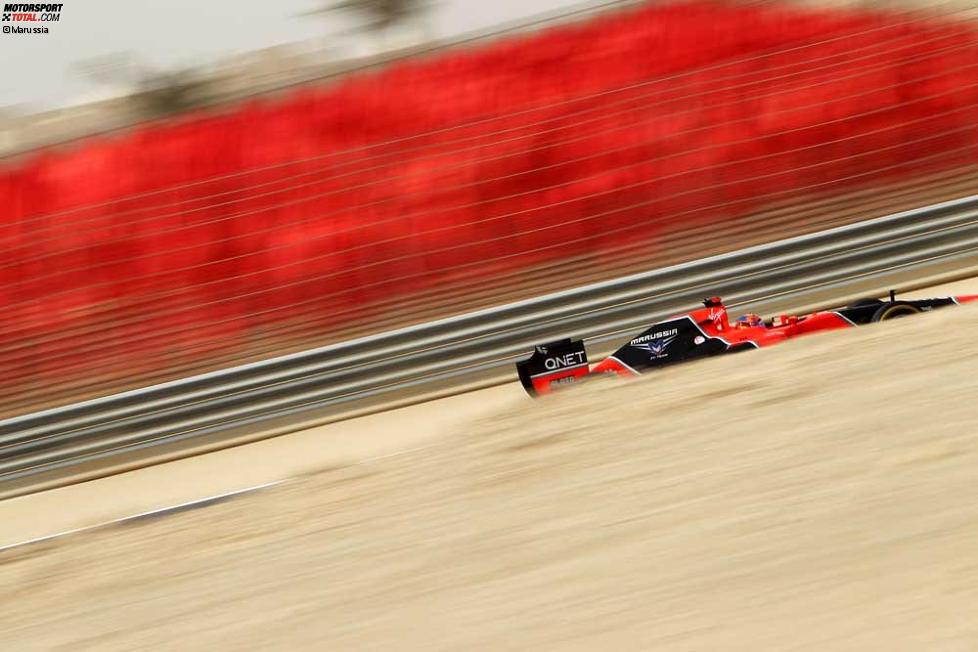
(189, 503)
(152, 512)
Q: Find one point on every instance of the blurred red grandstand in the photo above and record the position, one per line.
(217, 236)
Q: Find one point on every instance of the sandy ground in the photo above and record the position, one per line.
(334, 445)
(818, 495)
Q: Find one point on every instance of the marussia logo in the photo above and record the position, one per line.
(656, 348)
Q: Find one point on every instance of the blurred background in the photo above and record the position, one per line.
(233, 223)
(200, 186)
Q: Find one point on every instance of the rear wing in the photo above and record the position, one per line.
(553, 364)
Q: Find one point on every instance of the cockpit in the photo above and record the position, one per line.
(750, 320)
(717, 314)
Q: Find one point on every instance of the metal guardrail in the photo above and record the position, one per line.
(331, 382)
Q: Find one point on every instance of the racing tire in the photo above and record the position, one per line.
(895, 310)
(864, 303)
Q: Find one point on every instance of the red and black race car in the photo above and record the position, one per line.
(704, 332)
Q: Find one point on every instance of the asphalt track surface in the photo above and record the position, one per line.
(721, 505)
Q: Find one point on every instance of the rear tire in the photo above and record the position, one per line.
(895, 310)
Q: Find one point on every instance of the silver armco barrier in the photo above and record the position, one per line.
(262, 399)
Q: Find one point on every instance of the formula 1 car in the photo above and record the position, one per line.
(705, 332)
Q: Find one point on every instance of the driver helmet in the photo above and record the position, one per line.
(748, 320)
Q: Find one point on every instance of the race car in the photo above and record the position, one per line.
(705, 332)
